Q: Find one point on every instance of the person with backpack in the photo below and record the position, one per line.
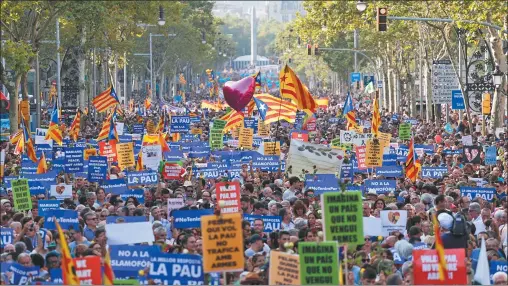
(449, 239)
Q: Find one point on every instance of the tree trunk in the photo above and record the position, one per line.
(499, 100)
(81, 67)
(427, 90)
(163, 81)
(13, 108)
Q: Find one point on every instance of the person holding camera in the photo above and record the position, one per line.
(28, 233)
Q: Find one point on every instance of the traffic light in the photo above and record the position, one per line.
(290, 61)
(382, 14)
(309, 49)
(316, 50)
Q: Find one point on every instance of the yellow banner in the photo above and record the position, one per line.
(263, 130)
(222, 243)
(374, 153)
(196, 131)
(246, 138)
(125, 155)
(271, 148)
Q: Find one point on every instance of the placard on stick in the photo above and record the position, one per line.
(222, 243)
(21, 195)
(405, 131)
(271, 148)
(125, 155)
(246, 138)
(374, 153)
(263, 129)
(343, 217)
(425, 267)
(284, 268)
(229, 193)
(319, 263)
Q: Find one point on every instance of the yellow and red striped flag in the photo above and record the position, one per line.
(441, 265)
(235, 120)
(148, 103)
(54, 131)
(376, 117)
(411, 169)
(291, 87)
(131, 105)
(68, 267)
(109, 275)
(105, 100)
(42, 167)
(108, 130)
(75, 126)
(16, 137)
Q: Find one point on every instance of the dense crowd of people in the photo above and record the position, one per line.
(378, 260)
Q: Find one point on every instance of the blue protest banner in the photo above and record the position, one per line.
(115, 187)
(125, 138)
(458, 100)
(428, 149)
(180, 124)
(138, 128)
(389, 160)
(411, 120)
(270, 223)
(321, 183)
(124, 219)
(355, 76)
(420, 245)
(355, 188)
(251, 123)
(490, 155)
(199, 152)
(28, 167)
(46, 205)
(58, 165)
(56, 277)
(127, 260)
(257, 141)
(174, 155)
(207, 172)
(142, 178)
(453, 152)
(176, 269)
(497, 266)
(41, 183)
(97, 168)
(83, 174)
(402, 152)
(473, 192)
(397, 258)
(434, 172)
(138, 194)
(21, 274)
(395, 117)
(7, 180)
(266, 163)
(66, 219)
(380, 186)
(6, 235)
(74, 159)
(389, 172)
(189, 218)
(346, 171)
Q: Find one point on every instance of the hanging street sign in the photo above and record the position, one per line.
(444, 81)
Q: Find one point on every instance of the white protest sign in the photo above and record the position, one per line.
(346, 137)
(129, 233)
(467, 140)
(175, 203)
(61, 191)
(152, 155)
(360, 139)
(39, 140)
(372, 226)
(304, 155)
(119, 127)
(393, 220)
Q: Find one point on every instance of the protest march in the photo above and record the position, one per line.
(261, 179)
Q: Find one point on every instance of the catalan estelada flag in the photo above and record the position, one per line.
(75, 126)
(109, 275)
(272, 109)
(161, 124)
(42, 167)
(376, 117)
(438, 244)
(68, 267)
(291, 87)
(235, 120)
(411, 169)
(105, 100)
(54, 131)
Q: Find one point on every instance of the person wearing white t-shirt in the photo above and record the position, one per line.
(476, 218)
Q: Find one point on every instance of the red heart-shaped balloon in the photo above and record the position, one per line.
(238, 93)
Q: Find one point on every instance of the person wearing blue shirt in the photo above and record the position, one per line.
(91, 221)
(157, 216)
